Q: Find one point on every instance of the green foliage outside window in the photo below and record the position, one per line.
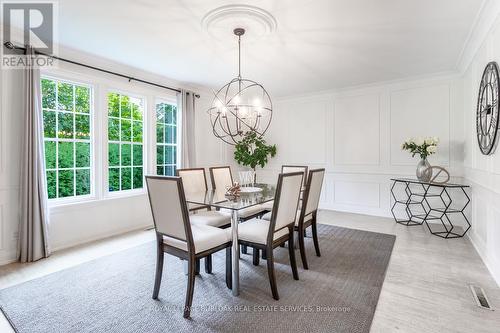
(125, 138)
(67, 129)
(166, 139)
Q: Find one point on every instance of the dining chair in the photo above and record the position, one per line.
(194, 181)
(222, 178)
(306, 215)
(176, 235)
(267, 235)
(268, 206)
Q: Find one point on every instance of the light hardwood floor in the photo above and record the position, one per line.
(425, 290)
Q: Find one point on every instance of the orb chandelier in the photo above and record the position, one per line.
(240, 106)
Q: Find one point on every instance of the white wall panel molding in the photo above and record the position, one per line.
(420, 112)
(357, 122)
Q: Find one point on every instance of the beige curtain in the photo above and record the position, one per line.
(186, 101)
(33, 191)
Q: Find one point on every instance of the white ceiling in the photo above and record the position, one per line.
(318, 44)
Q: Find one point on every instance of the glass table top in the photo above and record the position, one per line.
(218, 199)
(416, 181)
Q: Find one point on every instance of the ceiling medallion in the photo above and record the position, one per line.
(253, 19)
(240, 106)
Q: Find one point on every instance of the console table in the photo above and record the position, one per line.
(435, 204)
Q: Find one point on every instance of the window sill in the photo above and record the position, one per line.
(63, 206)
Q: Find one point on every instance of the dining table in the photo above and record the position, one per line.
(248, 196)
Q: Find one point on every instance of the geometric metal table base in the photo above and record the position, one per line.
(423, 196)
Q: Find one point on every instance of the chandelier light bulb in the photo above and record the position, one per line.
(237, 100)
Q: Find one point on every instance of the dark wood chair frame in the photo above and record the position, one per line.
(208, 259)
(206, 185)
(189, 255)
(271, 243)
(302, 225)
(297, 166)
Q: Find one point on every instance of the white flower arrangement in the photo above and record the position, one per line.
(421, 146)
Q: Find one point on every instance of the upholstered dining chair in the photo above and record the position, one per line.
(176, 235)
(268, 206)
(194, 180)
(222, 178)
(267, 235)
(306, 215)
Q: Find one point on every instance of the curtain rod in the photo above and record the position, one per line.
(11, 46)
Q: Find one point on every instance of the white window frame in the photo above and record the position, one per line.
(101, 85)
(93, 189)
(178, 125)
(105, 145)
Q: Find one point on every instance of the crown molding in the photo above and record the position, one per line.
(485, 20)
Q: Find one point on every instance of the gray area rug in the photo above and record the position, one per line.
(338, 293)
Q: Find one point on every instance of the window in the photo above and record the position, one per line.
(125, 142)
(166, 138)
(67, 137)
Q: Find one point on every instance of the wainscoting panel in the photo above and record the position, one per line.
(420, 112)
(357, 121)
(308, 126)
(365, 194)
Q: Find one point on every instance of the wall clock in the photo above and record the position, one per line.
(487, 109)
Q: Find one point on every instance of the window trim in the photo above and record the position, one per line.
(171, 101)
(93, 183)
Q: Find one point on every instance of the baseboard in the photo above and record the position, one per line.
(490, 263)
(372, 211)
(99, 237)
(7, 261)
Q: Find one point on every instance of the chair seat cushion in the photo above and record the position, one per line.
(308, 217)
(267, 205)
(245, 212)
(255, 231)
(192, 206)
(205, 238)
(212, 218)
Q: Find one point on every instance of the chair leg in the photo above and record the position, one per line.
(315, 238)
(244, 249)
(208, 264)
(302, 251)
(229, 268)
(256, 256)
(159, 271)
(272, 277)
(197, 267)
(190, 288)
(291, 252)
(305, 233)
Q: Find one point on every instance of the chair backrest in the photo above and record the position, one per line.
(169, 208)
(193, 179)
(313, 191)
(295, 168)
(221, 177)
(286, 201)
